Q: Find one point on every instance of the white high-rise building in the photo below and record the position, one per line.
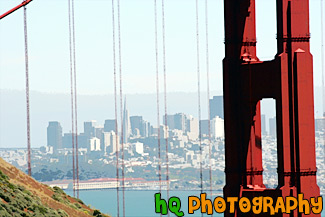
(94, 144)
(193, 128)
(137, 147)
(217, 127)
(110, 142)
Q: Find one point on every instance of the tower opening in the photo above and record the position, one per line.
(266, 29)
(269, 143)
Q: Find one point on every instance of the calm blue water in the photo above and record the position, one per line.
(138, 203)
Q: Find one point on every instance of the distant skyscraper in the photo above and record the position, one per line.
(109, 125)
(109, 145)
(217, 128)
(67, 140)
(320, 124)
(263, 125)
(180, 121)
(94, 144)
(170, 121)
(54, 135)
(272, 127)
(136, 123)
(192, 127)
(149, 129)
(205, 127)
(89, 128)
(216, 107)
(126, 124)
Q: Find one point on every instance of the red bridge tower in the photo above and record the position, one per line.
(289, 80)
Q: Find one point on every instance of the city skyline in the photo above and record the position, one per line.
(56, 107)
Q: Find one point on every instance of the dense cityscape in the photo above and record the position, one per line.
(52, 164)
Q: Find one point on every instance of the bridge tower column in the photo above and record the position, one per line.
(288, 79)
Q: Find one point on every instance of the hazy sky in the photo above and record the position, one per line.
(49, 48)
(49, 59)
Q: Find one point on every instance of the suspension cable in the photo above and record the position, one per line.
(208, 92)
(27, 94)
(157, 89)
(75, 96)
(165, 93)
(116, 113)
(322, 54)
(72, 99)
(121, 102)
(199, 90)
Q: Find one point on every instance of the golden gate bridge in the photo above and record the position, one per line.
(288, 79)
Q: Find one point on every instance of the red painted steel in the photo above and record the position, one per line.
(288, 79)
(24, 3)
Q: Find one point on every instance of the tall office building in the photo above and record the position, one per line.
(54, 135)
(109, 144)
(126, 124)
(67, 140)
(83, 142)
(109, 125)
(216, 107)
(170, 121)
(136, 123)
(263, 125)
(320, 124)
(192, 127)
(205, 127)
(89, 129)
(217, 127)
(149, 129)
(180, 121)
(272, 127)
(140, 126)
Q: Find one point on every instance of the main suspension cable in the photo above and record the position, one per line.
(27, 94)
(157, 95)
(165, 93)
(208, 92)
(199, 90)
(121, 102)
(116, 113)
(72, 100)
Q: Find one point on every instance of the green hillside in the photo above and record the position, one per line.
(20, 195)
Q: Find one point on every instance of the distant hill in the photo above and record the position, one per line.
(21, 195)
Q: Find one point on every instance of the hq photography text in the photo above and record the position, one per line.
(256, 205)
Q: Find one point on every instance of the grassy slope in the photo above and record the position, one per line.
(21, 195)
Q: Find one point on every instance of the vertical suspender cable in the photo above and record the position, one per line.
(27, 94)
(75, 97)
(72, 100)
(199, 90)
(165, 94)
(322, 54)
(208, 92)
(121, 101)
(116, 124)
(157, 89)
